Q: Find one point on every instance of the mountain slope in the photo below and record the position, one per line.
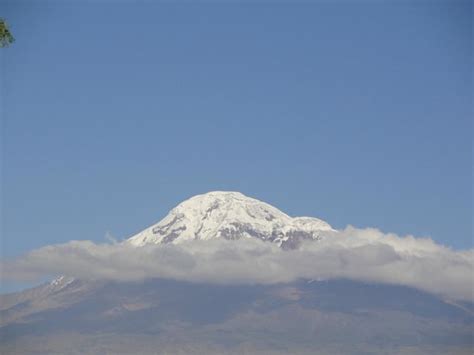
(230, 215)
(171, 317)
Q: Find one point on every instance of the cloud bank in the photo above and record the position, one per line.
(357, 254)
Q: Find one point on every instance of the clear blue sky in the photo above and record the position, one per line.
(355, 112)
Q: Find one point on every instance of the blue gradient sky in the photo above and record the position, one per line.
(357, 113)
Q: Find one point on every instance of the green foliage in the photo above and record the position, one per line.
(6, 38)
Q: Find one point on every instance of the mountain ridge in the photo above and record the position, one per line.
(230, 215)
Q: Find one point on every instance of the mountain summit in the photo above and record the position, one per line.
(230, 215)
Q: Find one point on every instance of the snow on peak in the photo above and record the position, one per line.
(229, 215)
(61, 282)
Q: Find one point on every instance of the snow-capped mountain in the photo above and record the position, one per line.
(167, 316)
(230, 215)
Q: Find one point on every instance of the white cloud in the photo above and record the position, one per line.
(356, 254)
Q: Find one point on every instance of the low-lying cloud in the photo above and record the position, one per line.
(357, 254)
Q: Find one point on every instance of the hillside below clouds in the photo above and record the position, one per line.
(231, 216)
